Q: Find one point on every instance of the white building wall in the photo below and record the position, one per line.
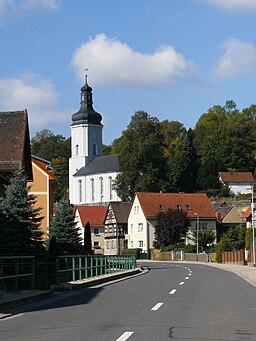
(137, 234)
(240, 188)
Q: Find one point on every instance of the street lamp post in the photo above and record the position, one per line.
(197, 227)
(253, 236)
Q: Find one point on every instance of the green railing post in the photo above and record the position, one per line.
(73, 269)
(80, 267)
(86, 267)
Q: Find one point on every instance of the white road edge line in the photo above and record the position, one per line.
(124, 336)
(181, 283)
(172, 291)
(157, 306)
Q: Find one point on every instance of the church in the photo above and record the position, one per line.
(91, 175)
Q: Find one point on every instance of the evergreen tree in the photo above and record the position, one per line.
(87, 239)
(19, 204)
(64, 228)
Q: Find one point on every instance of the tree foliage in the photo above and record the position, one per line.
(87, 239)
(64, 228)
(171, 227)
(205, 239)
(18, 208)
(142, 166)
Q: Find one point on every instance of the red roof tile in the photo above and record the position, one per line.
(192, 204)
(95, 215)
(236, 177)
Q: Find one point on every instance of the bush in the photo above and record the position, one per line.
(189, 248)
(132, 252)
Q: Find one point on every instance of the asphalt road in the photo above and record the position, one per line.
(169, 302)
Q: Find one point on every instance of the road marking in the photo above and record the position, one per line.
(188, 269)
(124, 336)
(157, 306)
(181, 283)
(190, 274)
(172, 291)
(186, 277)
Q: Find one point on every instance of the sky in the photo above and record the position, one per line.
(174, 59)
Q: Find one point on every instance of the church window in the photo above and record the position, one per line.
(80, 190)
(94, 149)
(110, 188)
(77, 149)
(101, 187)
(92, 190)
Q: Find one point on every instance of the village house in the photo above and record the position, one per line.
(95, 216)
(238, 182)
(146, 206)
(116, 227)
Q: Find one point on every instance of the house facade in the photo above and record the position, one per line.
(146, 206)
(238, 182)
(116, 227)
(91, 175)
(95, 216)
(43, 187)
(15, 152)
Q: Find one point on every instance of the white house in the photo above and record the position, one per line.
(238, 182)
(91, 175)
(146, 206)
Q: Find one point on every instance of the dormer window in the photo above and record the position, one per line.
(178, 207)
(161, 207)
(188, 207)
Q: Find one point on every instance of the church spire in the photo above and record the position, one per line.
(86, 113)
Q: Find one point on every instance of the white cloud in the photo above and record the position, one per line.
(36, 95)
(234, 4)
(239, 59)
(113, 62)
(40, 4)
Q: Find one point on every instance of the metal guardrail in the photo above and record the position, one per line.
(72, 268)
(17, 273)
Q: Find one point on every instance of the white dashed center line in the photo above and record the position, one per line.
(157, 306)
(124, 336)
(181, 283)
(172, 291)
(186, 277)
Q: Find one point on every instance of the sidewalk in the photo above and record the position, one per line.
(13, 299)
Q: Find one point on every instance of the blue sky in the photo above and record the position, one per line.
(174, 59)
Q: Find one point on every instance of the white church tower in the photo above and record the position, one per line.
(86, 139)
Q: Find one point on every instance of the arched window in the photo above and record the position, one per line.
(77, 149)
(80, 193)
(92, 190)
(94, 149)
(101, 187)
(110, 188)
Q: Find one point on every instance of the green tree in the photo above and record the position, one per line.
(87, 239)
(142, 166)
(19, 203)
(64, 228)
(171, 227)
(205, 239)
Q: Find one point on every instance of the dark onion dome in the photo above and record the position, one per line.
(86, 113)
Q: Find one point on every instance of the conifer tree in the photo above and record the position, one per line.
(87, 239)
(64, 228)
(18, 204)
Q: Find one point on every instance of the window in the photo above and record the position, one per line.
(96, 231)
(112, 244)
(80, 190)
(161, 207)
(94, 149)
(137, 209)
(140, 243)
(77, 149)
(92, 190)
(178, 207)
(188, 207)
(101, 187)
(110, 188)
(140, 227)
(96, 245)
(131, 243)
(108, 244)
(131, 228)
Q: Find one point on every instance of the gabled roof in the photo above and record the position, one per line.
(15, 153)
(100, 164)
(236, 177)
(121, 211)
(193, 204)
(44, 165)
(247, 213)
(95, 215)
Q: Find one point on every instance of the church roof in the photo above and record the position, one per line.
(98, 165)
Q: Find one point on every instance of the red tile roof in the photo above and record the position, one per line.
(236, 177)
(44, 165)
(95, 215)
(247, 213)
(192, 204)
